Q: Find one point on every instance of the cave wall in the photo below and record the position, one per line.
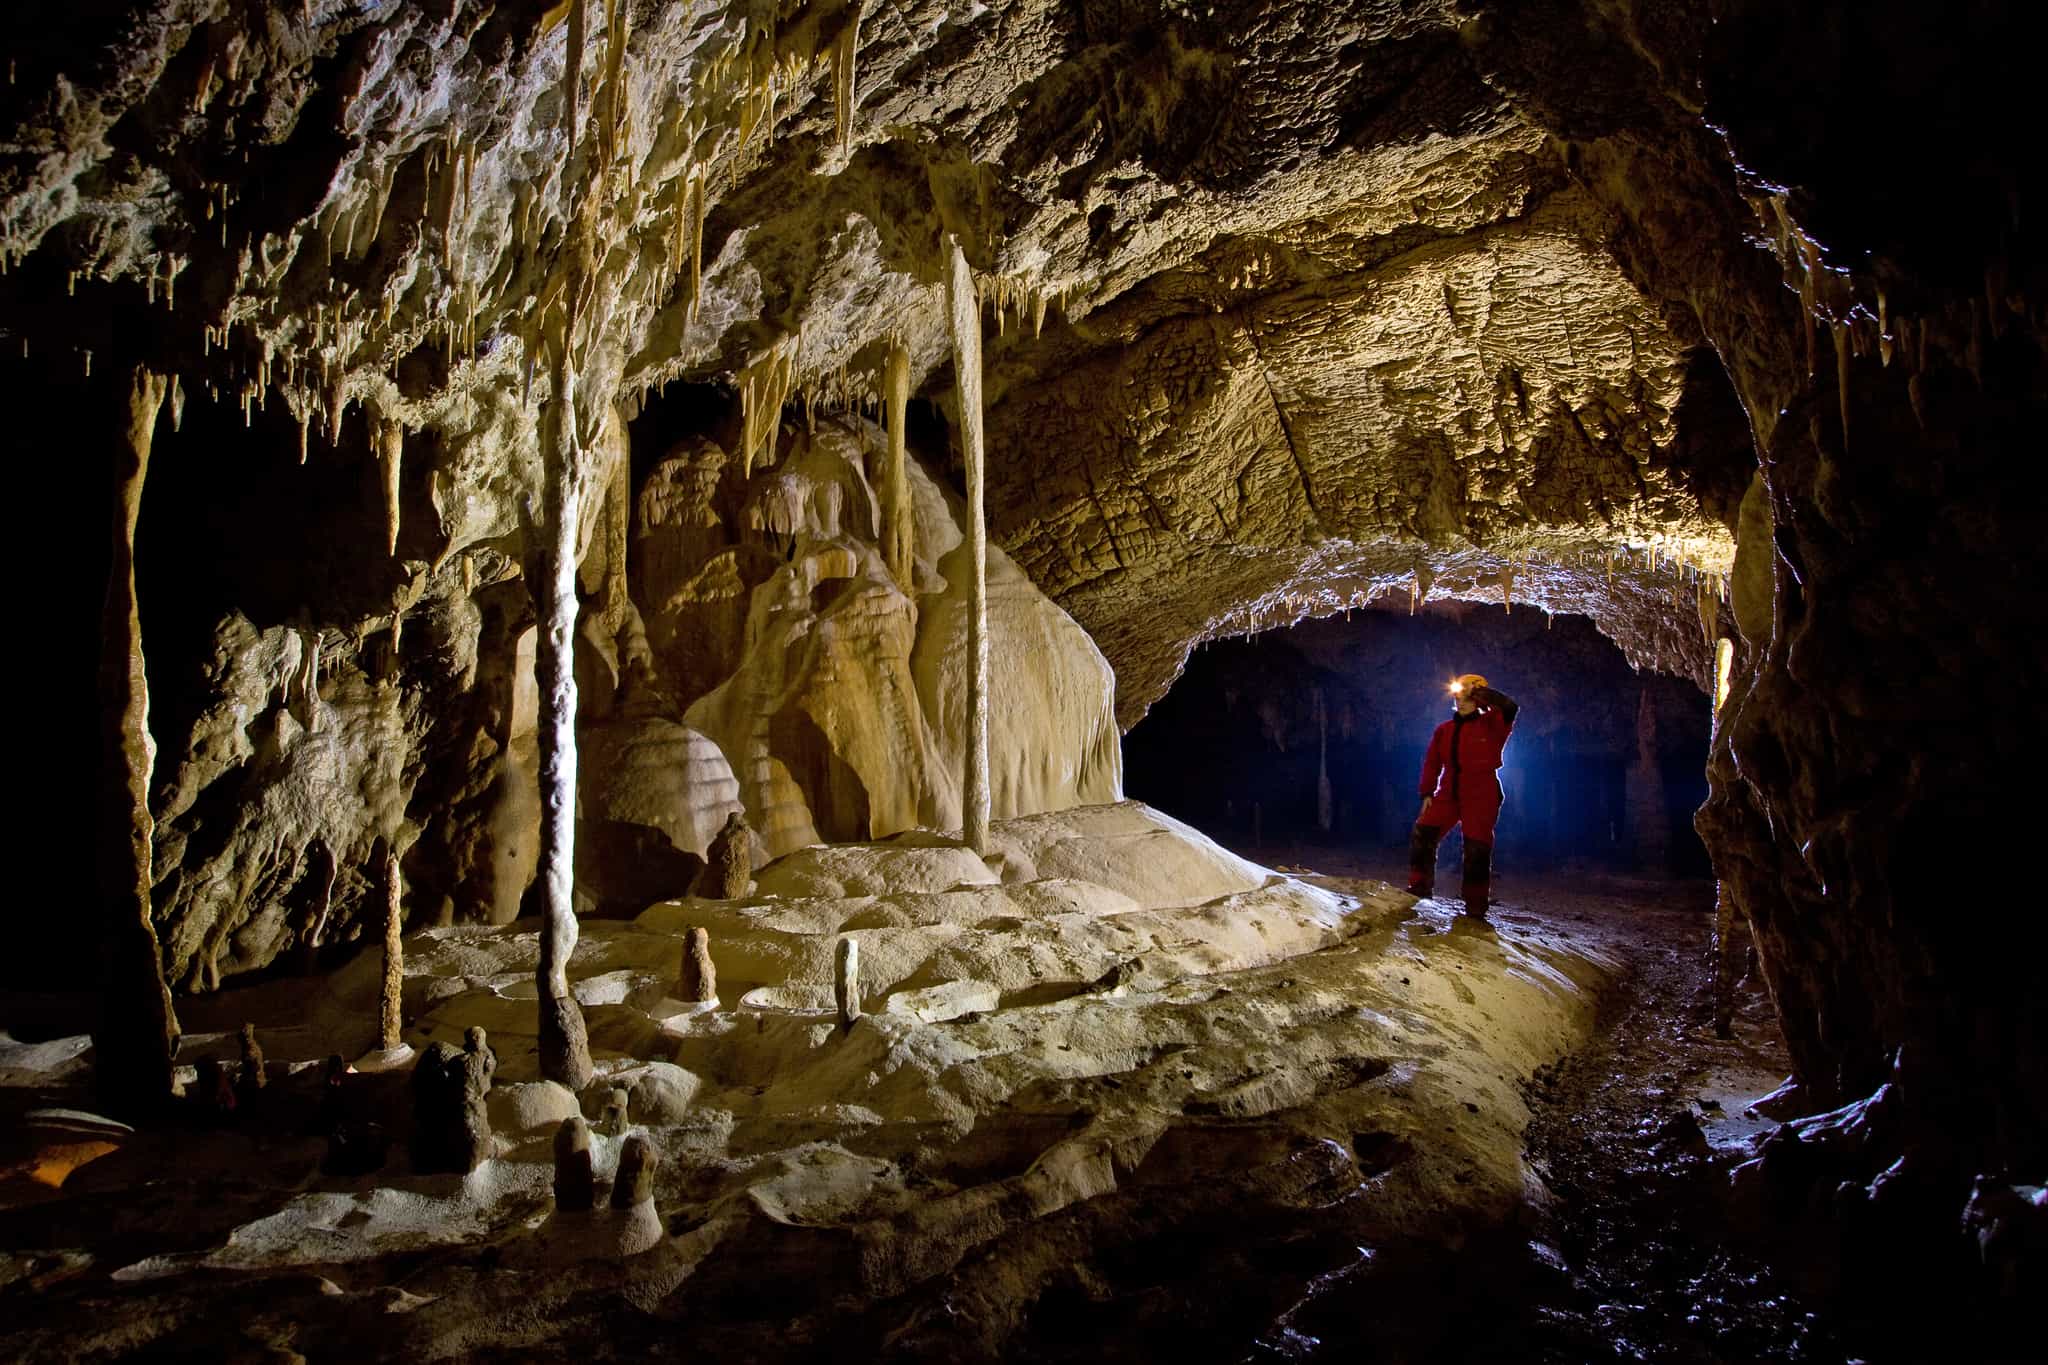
(1290, 308)
(1870, 279)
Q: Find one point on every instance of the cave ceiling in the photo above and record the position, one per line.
(1289, 309)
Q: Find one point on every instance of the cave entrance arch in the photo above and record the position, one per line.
(1305, 742)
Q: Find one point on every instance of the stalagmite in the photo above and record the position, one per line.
(251, 1079)
(391, 1018)
(699, 982)
(137, 1030)
(564, 1041)
(634, 1183)
(898, 527)
(729, 861)
(965, 320)
(846, 982)
(575, 1185)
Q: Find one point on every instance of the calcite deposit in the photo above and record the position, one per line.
(490, 443)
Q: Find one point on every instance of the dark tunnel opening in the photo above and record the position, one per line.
(1313, 737)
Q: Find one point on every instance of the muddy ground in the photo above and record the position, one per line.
(1627, 1254)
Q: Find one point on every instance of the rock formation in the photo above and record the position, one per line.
(575, 1187)
(846, 981)
(451, 1121)
(250, 1078)
(699, 981)
(635, 1181)
(138, 1029)
(391, 997)
(1596, 308)
(729, 865)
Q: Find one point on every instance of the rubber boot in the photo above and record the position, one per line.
(1422, 842)
(1478, 877)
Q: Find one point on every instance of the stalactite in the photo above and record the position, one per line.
(843, 54)
(572, 76)
(764, 388)
(965, 319)
(696, 242)
(318, 913)
(564, 1041)
(137, 1030)
(1808, 301)
(1842, 378)
(1507, 586)
(390, 457)
(1884, 331)
(617, 20)
(898, 527)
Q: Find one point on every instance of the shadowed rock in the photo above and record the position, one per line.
(635, 1181)
(728, 864)
(575, 1186)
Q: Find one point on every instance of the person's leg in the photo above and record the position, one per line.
(1437, 818)
(1481, 809)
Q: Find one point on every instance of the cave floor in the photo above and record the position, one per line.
(1301, 1118)
(1630, 1257)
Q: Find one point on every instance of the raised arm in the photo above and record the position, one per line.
(1499, 701)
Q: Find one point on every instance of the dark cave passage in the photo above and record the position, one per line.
(1314, 736)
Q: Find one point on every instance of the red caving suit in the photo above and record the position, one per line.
(1459, 774)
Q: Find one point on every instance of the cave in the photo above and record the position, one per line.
(1312, 737)
(751, 678)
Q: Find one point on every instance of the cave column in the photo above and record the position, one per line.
(137, 1030)
(964, 314)
(564, 1041)
(898, 542)
(1649, 825)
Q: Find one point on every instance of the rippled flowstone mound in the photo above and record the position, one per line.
(1108, 1035)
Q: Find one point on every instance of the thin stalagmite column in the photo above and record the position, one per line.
(964, 314)
(564, 1042)
(898, 531)
(391, 1021)
(138, 1029)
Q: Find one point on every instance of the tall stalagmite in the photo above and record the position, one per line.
(138, 1029)
(564, 1042)
(964, 318)
(898, 527)
(391, 1017)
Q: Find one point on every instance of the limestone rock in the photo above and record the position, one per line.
(729, 863)
(699, 981)
(451, 1117)
(575, 1186)
(936, 1004)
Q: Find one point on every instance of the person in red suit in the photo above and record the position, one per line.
(1460, 784)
